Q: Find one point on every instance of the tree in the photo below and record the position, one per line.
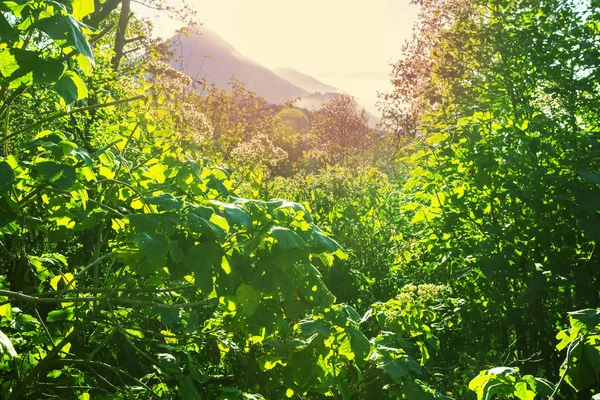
(501, 98)
(340, 127)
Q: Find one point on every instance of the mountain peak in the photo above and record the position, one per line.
(207, 55)
(206, 34)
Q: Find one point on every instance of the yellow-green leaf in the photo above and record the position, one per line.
(71, 88)
(6, 311)
(82, 8)
(54, 282)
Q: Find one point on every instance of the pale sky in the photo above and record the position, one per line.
(344, 43)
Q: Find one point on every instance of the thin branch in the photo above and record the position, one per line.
(135, 39)
(114, 300)
(103, 379)
(566, 364)
(91, 265)
(132, 50)
(70, 112)
(102, 33)
(112, 290)
(107, 208)
(45, 327)
(112, 368)
(103, 149)
(16, 93)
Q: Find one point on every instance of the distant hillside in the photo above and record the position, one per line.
(205, 54)
(304, 81)
(225, 61)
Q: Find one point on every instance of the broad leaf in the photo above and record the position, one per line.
(202, 260)
(286, 238)
(155, 247)
(71, 88)
(401, 368)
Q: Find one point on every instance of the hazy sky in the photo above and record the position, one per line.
(345, 43)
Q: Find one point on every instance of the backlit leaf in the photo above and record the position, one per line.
(71, 88)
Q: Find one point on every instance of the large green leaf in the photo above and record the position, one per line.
(589, 317)
(248, 299)
(235, 214)
(165, 201)
(321, 242)
(7, 32)
(203, 225)
(60, 315)
(7, 176)
(584, 366)
(27, 65)
(524, 392)
(187, 389)
(8, 63)
(60, 175)
(401, 368)
(155, 247)
(361, 347)
(286, 238)
(413, 391)
(202, 260)
(197, 373)
(82, 8)
(309, 327)
(71, 88)
(61, 27)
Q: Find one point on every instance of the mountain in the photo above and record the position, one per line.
(206, 54)
(203, 53)
(304, 81)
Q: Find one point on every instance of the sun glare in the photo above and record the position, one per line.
(348, 44)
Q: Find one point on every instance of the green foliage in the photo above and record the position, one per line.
(359, 208)
(253, 258)
(133, 267)
(147, 250)
(581, 368)
(27, 24)
(509, 384)
(499, 198)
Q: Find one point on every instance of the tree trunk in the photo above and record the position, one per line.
(121, 29)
